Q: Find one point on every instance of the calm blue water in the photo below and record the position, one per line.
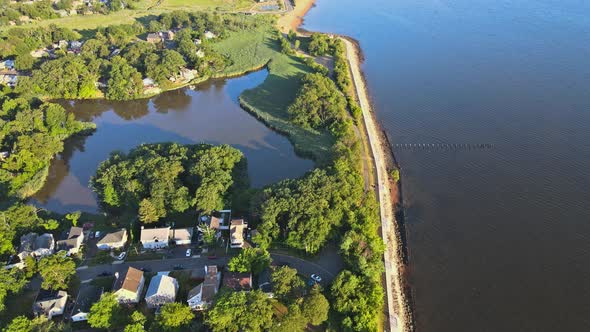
(499, 239)
(209, 114)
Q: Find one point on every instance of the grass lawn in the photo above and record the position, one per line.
(250, 50)
(144, 9)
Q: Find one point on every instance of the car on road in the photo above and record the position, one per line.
(188, 252)
(97, 234)
(316, 278)
(146, 269)
(212, 257)
(178, 267)
(122, 256)
(105, 274)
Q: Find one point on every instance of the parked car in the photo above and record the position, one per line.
(316, 278)
(105, 274)
(178, 267)
(188, 252)
(97, 234)
(146, 269)
(212, 257)
(122, 255)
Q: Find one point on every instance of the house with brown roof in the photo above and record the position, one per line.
(155, 238)
(238, 281)
(154, 38)
(219, 221)
(72, 241)
(113, 240)
(200, 297)
(129, 285)
(236, 231)
(181, 235)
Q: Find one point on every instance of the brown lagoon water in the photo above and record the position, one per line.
(209, 114)
(499, 239)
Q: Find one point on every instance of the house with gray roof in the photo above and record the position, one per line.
(114, 240)
(155, 238)
(162, 290)
(200, 297)
(72, 241)
(87, 296)
(50, 303)
(36, 245)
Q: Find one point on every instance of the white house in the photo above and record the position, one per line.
(36, 245)
(72, 241)
(155, 238)
(113, 240)
(162, 290)
(129, 285)
(181, 235)
(200, 297)
(50, 303)
(209, 35)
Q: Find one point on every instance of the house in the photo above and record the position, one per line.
(188, 74)
(72, 241)
(148, 83)
(236, 230)
(198, 41)
(35, 245)
(50, 303)
(200, 53)
(7, 64)
(265, 282)
(62, 13)
(62, 44)
(129, 285)
(210, 35)
(113, 240)
(155, 238)
(200, 297)
(217, 223)
(181, 235)
(8, 77)
(162, 290)
(87, 296)
(153, 38)
(4, 155)
(39, 53)
(167, 35)
(238, 281)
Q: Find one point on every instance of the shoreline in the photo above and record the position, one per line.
(294, 18)
(398, 299)
(397, 304)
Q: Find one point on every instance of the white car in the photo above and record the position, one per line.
(316, 278)
(188, 252)
(121, 256)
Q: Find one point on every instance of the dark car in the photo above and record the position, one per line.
(178, 267)
(105, 274)
(146, 269)
(212, 257)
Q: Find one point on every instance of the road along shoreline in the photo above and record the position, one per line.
(397, 302)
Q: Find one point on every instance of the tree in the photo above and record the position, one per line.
(292, 34)
(319, 44)
(175, 315)
(57, 271)
(73, 217)
(125, 82)
(24, 324)
(208, 234)
(240, 311)
(253, 260)
(315, 307)
(106, 313)
(12, 281)
(297, 44)
(287, 285)
(147, 212)
(293, 321)
(137, 322)
(395, 175)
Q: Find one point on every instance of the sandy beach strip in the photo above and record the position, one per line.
(294, 18)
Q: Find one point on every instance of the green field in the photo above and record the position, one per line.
(250, 50)
(145, 8)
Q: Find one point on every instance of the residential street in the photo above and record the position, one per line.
(305, 268)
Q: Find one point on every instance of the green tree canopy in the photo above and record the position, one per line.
(253, 260)
(287, 285)
(175, 316)
(240, 311)
(157, 179)
(315, 307)
(56, 270)
(125, 82)
(106, 313)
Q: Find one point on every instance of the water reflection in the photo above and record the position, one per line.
(209, 114)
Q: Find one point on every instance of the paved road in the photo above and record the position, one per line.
(91, 272)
